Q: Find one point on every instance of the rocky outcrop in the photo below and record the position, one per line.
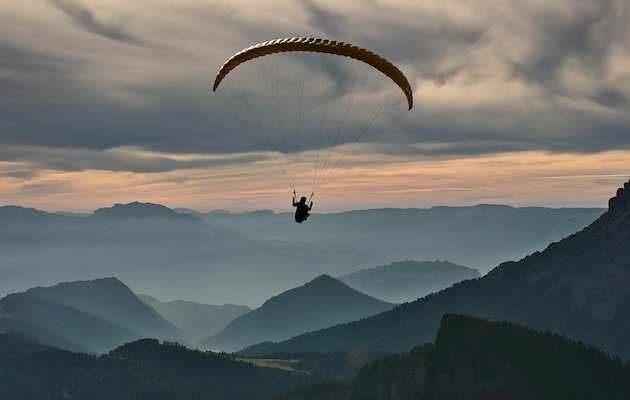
(621, 201)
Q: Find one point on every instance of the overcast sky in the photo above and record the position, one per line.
(516, 102)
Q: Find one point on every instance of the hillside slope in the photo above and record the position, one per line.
(144, 369)
(111, 300)
(61, 326)
(478, 359)
(408, 280)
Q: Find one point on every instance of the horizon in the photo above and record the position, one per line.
(504, 113)
(281, 212)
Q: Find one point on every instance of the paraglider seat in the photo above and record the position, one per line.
(301, 216)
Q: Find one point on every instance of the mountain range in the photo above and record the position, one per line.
(322, 302)
(479, 236)
(579, 287)
(184, 255)
(466, 341)
(201, 257)
(97, 315)
(408, 280)
(470, 358)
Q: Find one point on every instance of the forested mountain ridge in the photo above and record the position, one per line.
(145, 369)
(478, 359)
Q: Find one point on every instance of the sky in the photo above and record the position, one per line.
(516, 102)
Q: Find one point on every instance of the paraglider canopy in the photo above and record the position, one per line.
(318, 46)
(318, 130)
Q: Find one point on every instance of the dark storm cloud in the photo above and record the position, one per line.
(73, 100)
(27, 73)
(587, 34)
(85, 19)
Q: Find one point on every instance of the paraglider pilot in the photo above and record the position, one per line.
(301, 211)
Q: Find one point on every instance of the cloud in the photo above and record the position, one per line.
(85, 19)
(522, 178)
(489, 77)
(19, 174)
(28, 76)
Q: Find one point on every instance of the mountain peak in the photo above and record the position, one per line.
(137, 209)
(322, 302)
(621, 201)
(323, 286)
(323, 279)
(107, 283)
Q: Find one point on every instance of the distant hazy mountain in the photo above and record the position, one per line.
(143, 369)
(9, 213)
(19, 226)
(188, 211)
(408, 280)
(155, 222)
(322, 302)
(137, 210)
(480, 236)
(111, 300)
(579, 287)
(61, 326)
(121, 223)
(196, 320)
(479, 360)
(183, 255)
(205, 261)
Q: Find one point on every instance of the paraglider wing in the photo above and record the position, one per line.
(318, 46)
